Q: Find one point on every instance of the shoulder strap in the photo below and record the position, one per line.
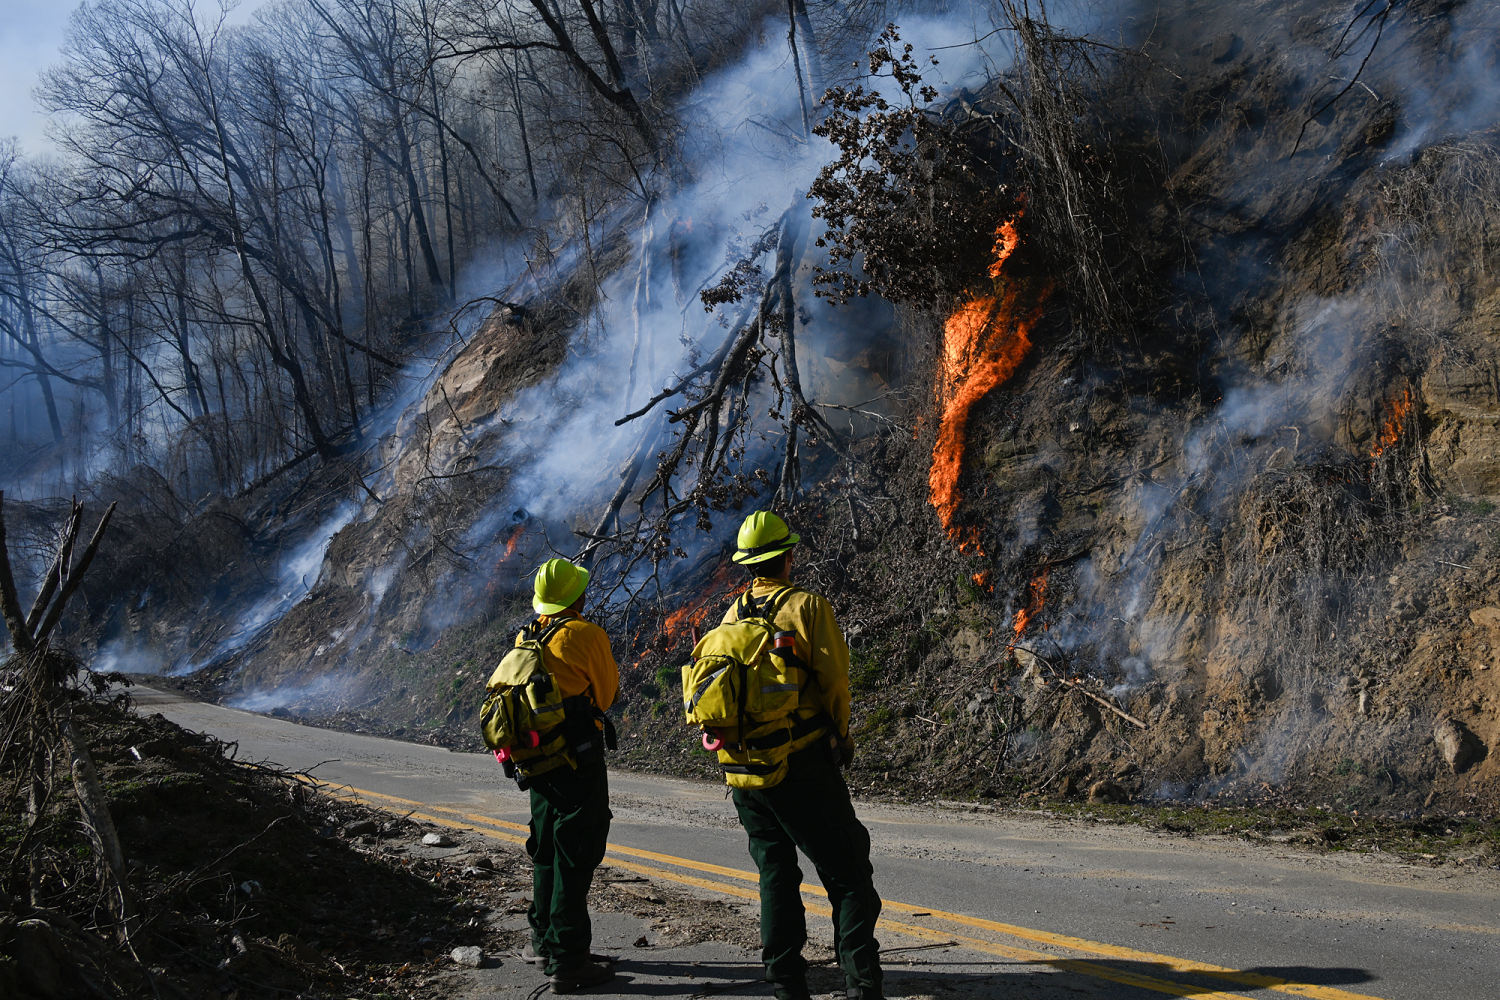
(542, 635)
(776, 600)
(749, 607)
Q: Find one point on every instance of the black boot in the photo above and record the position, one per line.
(790, 991)
(581, 975)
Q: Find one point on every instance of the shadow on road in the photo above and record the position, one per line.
(1115, 979)
(1311, 975)
(1059, 978)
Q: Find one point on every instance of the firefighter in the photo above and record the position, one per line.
(809, 809)
(570, 805)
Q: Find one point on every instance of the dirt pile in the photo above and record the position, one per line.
(248, 882)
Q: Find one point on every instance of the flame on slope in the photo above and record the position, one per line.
(688, 620)
(492, 586)
(1007, 238)
(984, 342)
(685, 619)
(1397, 412)
(513, 541)
(1036, 598)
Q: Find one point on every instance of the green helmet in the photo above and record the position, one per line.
(558, 584)
(763, 536)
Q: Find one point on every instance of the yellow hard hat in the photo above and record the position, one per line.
(763, 536)
(558, 585)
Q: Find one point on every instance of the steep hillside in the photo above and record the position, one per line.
(1234, 535)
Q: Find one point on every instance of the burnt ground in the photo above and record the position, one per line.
(251, 882)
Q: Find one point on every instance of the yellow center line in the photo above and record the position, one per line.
(618, 853)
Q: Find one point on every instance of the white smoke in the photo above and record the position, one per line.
(1452, 95)
(296, 576)
(335, 692)
(127, 658)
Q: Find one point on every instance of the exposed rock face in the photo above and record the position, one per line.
(1457, 746)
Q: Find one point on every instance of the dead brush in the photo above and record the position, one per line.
(1311, 532)
(1073, 188)
(1437, 221)
(1310, 520)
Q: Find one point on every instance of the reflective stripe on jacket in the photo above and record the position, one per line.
(821, 646)
(581, 661)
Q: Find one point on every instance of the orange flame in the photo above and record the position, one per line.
(1038, 594)
(1007, 238)
(1397, 411)
(512, 542)
(492, 586)
(983, 580)
(685, 621)
(984, 342)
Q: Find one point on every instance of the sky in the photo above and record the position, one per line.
(31, 33)
(31, 37)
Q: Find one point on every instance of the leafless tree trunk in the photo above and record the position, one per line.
(40, 704)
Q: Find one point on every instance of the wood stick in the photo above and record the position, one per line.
(59, 571)
(76, 577)
(1077, 686)
(10, 602)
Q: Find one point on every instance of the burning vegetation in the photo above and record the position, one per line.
(1398, 410)
(1036, 595)
(985, 341)
(683, 626)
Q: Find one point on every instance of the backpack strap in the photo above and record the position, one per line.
(579, 706)
(540, 634)
(767, 608)
(800, 728)
(749, 607)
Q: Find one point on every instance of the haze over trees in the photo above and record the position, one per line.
(228, 259)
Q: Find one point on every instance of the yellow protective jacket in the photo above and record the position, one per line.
(821, 646)
(581, 661)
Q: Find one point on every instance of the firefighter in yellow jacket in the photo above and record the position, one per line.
(570, 805)
(809, 809)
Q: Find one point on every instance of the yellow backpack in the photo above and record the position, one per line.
(742, 689)
(522, 719)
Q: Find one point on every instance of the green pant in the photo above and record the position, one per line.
(810, 809)
(569, 826)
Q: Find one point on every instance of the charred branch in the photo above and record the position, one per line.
(1367, 23)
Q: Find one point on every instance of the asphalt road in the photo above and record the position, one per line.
(1132, 913)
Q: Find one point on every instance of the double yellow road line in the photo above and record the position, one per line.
(1145, 969)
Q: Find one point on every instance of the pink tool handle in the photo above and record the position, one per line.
(712, 743)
